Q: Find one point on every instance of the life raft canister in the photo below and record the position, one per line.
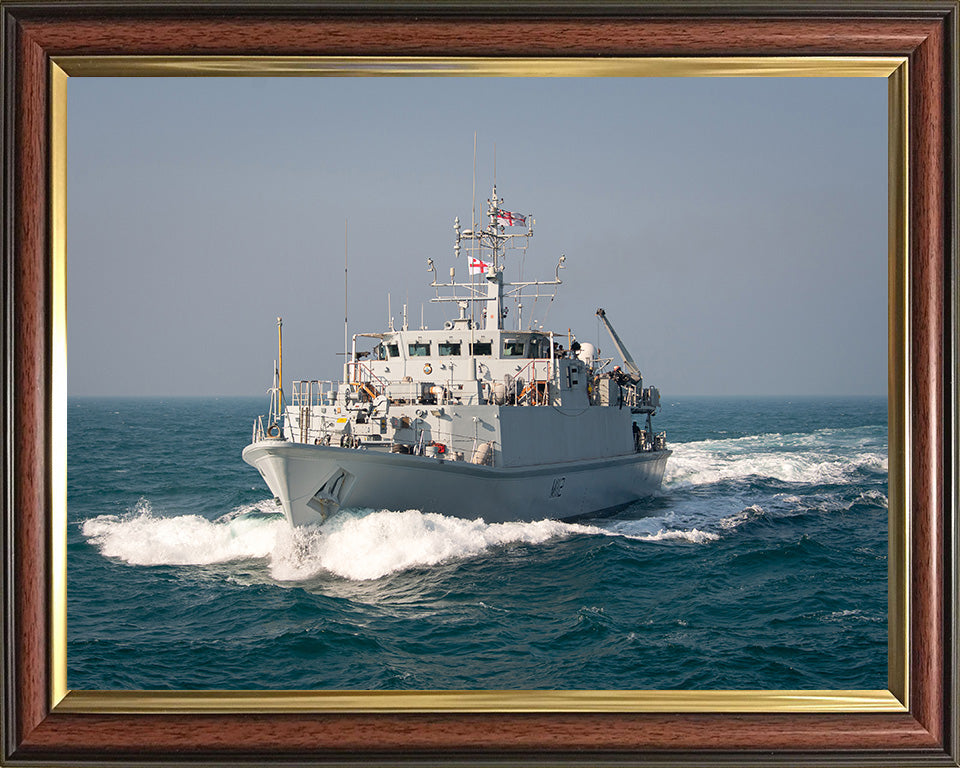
(428, 369)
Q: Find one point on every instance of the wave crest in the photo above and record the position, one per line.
(694, 536)
(354, 546)
(143, 538)
(821, 458)
(373, 545)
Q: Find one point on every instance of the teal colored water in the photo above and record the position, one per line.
(762, 564)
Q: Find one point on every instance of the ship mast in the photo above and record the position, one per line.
(487, 252)
(493, 314)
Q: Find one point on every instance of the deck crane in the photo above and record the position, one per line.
(650, 398)
(624, 353)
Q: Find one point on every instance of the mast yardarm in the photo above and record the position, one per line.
(487, 250)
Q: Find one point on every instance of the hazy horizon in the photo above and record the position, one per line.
(681, 395)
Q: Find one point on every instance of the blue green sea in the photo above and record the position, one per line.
(762, 564)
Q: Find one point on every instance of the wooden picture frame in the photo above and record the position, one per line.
(40, 728)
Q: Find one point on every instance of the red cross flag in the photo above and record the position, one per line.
(511, 219)
(478, 267)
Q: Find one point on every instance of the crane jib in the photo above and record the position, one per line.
(618, 343)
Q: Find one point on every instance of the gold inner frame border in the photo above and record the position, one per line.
(892, 700)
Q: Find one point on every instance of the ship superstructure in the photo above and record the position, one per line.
(473, 419)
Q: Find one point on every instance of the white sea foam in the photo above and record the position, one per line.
(670, 526)
(694, 535)
(877, 498)
(851, 615)
(818, 458)
(352, 545)
(355, 545)
(376, 544)
(143, 538)
(743, 516)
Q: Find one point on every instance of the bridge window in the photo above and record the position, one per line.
(449, 348)
(513, 349)
(394, 350)
(420, 350)
(481, 348)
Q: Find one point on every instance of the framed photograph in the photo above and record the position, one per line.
(194, 150)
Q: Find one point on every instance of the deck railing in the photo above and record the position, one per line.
(632, 395)
(361, 374)
(314, 392)
(535, 387)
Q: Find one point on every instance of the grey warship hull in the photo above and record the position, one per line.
(313, 481)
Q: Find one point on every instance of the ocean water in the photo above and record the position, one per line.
(762, 564)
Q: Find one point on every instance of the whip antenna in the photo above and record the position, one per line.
(473, 208)
(280, 365)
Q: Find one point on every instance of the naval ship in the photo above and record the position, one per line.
(474, 419)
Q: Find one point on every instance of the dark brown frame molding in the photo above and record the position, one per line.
(924, 32)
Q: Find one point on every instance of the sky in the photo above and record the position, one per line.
(734, 229)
